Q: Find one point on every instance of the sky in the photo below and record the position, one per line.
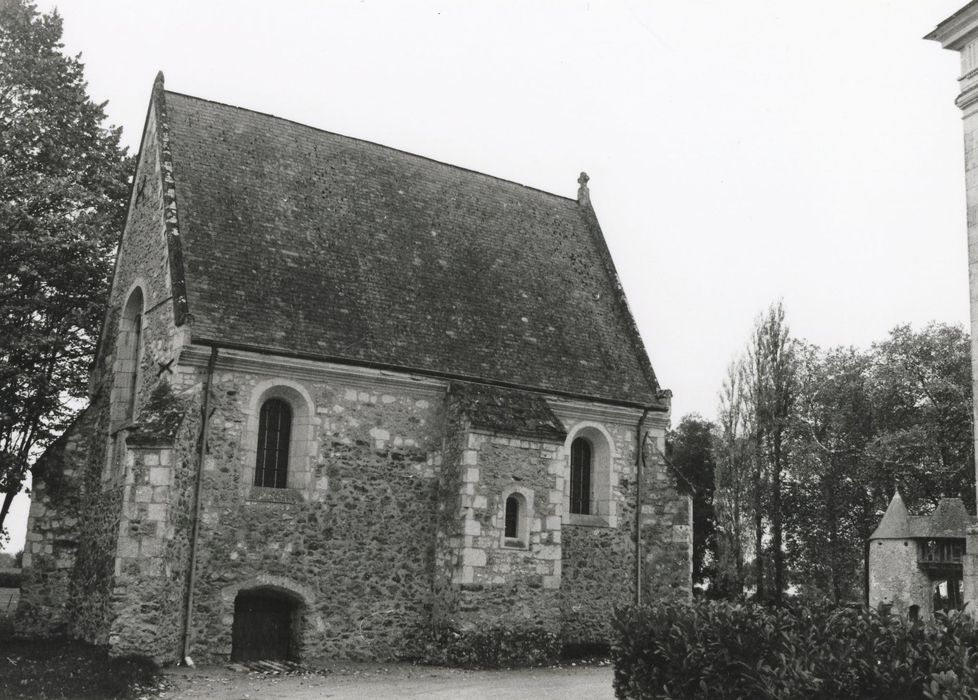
(739, 153)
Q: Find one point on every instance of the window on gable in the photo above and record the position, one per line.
(580, 474)
(274, 435)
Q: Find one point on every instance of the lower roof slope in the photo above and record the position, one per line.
(301, 241)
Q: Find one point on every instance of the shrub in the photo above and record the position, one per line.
(723, 650)
(495, 646)
(10, 578)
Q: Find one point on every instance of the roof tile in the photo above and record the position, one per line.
(297, 240)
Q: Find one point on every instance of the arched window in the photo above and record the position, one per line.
(129, 352)
(136, 348)
(517, 506)
(274, 434)
(580, 474)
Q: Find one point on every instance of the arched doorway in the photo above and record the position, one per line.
(265, 626)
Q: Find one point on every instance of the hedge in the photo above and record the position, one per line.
(493, 646)
(10, 578)
(711, 649)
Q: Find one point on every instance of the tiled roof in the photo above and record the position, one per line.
(300, 241)
(508, 412)
(949, 519)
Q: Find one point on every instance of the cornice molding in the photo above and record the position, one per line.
(967, 98)
(958, 29)
(371, 379)
(310, 370)
(582, 410)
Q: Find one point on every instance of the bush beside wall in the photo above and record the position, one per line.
(711, 649)
(10, 578)
(492, 647)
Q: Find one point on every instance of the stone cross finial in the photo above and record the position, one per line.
(583, 195)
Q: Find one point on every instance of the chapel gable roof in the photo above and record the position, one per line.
(301, 242)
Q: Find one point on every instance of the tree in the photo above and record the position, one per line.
(733, 486)
(829, 511)
(769, 387)
(63, 190)
(691, 452)
(810, 444)
(923, 410)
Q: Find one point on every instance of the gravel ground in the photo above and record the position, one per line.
(393, 681)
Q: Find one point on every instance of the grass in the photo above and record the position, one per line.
(69, 669)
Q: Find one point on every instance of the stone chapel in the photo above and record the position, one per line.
(344, 394)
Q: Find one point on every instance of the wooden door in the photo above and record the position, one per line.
(262, 627)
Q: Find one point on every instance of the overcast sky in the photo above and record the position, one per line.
(738, 152)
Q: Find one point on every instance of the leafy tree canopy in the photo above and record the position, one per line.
(63, 188)
(859, 423)
(691, 451)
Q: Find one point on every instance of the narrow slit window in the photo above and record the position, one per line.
(512, 517)
(274, 434)
(580, 486)
(135, 353)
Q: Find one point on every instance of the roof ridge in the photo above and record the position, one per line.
(570, 200)
(171, 227)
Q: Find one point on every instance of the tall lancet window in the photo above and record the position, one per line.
(580, 485)
(129, 351)
(274, 435)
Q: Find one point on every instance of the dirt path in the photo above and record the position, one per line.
(219, 683)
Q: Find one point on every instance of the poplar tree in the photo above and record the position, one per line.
(63, 189)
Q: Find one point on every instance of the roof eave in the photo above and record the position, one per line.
(958, 29)
(660, 405)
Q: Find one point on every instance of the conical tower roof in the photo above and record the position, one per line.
(896, 521)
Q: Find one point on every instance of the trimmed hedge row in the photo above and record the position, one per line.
(714, 649)
(10, 578)
(494, 646)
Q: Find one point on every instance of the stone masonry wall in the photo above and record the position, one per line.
(53, 533)
(449, 523)
(154, 540)
(969, 62)
(143, 261)
(667, 530)
(599, 561)
(354, 544)
(894, 578)
(499, 583)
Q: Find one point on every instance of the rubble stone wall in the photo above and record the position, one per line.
(599, 557)
(509, 581)
(153, 550)
(353, 543)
